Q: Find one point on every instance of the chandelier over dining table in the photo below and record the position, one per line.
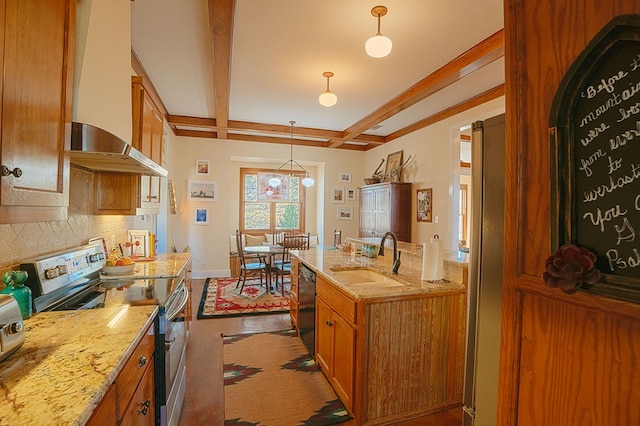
(275, 181)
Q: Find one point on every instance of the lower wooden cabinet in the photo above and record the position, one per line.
(107, 412)
(131, 398)
(141, 408)
(336, 340)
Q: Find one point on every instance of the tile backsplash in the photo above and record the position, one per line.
(19, 242)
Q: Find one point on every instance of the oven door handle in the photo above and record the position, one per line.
(184, 298)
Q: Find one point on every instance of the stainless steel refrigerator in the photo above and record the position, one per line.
(485, 273)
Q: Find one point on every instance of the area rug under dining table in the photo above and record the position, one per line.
(220, 297)
(270, 379)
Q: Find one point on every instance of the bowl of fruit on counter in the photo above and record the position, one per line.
(118, 266)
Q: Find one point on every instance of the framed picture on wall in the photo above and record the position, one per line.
(202, 167)
(202, 190)
(425, 204)
(345, 213)
(337, 195)
(393, 171)
(350, 194)
(344, 177)
(201, 216)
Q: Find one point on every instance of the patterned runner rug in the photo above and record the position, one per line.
(270, 379)
(220, 297)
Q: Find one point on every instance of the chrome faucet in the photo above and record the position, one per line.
(396, 253)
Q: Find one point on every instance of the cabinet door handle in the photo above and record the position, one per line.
(4, 171)
(329, 323)
(142, 361)
(144, 407)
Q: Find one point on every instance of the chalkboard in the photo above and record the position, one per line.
(595, 137)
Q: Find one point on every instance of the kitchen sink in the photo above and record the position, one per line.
(361, 276)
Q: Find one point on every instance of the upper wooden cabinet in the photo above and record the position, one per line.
(386, 207)
(125, 194)
(147, 137)
(36, 59)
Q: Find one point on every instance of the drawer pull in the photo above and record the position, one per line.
(142, 361)
(144, 407)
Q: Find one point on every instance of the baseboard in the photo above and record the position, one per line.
(211, 273)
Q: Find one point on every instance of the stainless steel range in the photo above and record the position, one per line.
(71, 280)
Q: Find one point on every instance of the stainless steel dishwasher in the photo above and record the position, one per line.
(307, 306)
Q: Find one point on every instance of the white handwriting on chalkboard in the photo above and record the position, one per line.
(586, 164)
(626, 232)
(625, 137)
(613, 101)
(593, 133)
(600, 218)
(614, 164)
(615, 262)
(604, 189)
(635, 63)
(631, 91)
(626, 113)
(606, 84)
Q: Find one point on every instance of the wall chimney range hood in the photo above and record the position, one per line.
(96, 149)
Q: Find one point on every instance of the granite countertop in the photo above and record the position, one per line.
(67, 363)
(164, 266)
(329, 261)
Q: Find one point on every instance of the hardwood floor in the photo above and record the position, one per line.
(204, 398)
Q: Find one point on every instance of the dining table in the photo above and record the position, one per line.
(268, 251)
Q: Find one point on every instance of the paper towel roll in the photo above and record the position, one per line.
(432, 260)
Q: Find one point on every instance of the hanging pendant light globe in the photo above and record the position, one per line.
(308, 181)
(379, 45)
(274, 181)
(327, 98)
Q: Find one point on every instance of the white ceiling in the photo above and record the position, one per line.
(280, 49)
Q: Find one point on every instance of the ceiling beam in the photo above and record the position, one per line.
(221, 14)
(482, 54)
(245, 126)
(480, 99)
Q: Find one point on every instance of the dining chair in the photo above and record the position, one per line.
(282, 266)
(249, 268)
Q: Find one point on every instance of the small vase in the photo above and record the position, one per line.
(16, 288)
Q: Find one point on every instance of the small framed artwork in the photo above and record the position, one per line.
(344, 177)
(337, 195)
(201, 216)
(345, 213)
(350, 194)
(425, 204)
(202, 190)
(202, 167)
(393, 171)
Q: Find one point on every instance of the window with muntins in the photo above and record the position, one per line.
(264, 208)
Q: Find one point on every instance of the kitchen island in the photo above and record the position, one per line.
(393, 350)
(68, 362)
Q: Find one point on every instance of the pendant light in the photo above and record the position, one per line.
(327, 98)
(275, 181)
(378, 46)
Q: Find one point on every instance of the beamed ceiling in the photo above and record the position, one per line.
(241, 70)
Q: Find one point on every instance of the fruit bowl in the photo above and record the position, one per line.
(118, 270)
